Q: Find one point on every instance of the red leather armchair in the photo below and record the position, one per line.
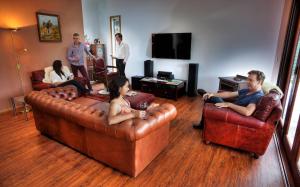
(101, 72)
(38, 84)
(253, 134)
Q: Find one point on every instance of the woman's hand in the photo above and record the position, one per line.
(139, 114)
(152, 105)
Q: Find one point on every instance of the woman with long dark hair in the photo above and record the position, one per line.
(120, 109)
(60, 78)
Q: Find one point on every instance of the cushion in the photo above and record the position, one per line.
(266, 105)
(267, 87)
(49, 69)
(141, 100)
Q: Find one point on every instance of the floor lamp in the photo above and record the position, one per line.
(17, 54)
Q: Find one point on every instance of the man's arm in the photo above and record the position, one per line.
(87, 51)
(246, 111)
(223, 95)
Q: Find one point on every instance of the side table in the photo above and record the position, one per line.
(233, 83)
(19, 100)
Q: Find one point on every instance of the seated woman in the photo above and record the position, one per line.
(60, 78)
(120, 109)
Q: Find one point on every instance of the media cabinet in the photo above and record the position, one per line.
(171, 89)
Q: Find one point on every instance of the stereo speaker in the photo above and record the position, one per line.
(148, 68)
(135, 82)
(193, 80)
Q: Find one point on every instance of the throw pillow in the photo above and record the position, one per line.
(267, 86)
(266, 105)
(47, 74)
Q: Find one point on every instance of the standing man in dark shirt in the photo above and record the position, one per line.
(246, 98)
(75, 58)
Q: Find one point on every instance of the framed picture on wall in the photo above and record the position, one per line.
(115, 27)
(48, 27)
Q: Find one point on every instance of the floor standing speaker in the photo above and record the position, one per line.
(148, 68)
(193, 80)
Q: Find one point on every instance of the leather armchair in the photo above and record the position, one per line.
(252, 134)
(101, 72)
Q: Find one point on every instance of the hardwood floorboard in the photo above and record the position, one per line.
(31, 159)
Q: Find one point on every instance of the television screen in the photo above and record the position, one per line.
(171, 45)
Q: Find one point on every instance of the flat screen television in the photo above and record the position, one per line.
(171, 45)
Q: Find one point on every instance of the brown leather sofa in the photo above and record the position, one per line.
(81, 123)
(253, 133)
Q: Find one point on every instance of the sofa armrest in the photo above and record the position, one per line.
(155, 118)
(229, 116)
(275, 115)
(41, 86)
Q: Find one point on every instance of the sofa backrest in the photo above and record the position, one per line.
(67, 92)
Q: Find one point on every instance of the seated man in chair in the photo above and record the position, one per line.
(245, 104)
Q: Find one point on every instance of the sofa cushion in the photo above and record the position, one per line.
(141, 100)
(266, 105)
(267, 87)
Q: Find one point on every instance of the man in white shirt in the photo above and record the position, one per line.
(122, 54)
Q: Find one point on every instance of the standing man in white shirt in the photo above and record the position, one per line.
(122, 54)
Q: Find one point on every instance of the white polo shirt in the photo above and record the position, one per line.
(122, 51)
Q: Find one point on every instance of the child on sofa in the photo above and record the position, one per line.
(120, 109)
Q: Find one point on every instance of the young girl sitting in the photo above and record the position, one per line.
(120, 109)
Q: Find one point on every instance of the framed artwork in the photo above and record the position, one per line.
(48, 27)
(115, 27)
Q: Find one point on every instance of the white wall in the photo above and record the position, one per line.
(228, 37)
(91, 22)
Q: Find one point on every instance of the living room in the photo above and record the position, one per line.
(228, 38)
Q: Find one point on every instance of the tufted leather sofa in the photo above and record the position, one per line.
(81, 123)
(253, 133)
(38, 84)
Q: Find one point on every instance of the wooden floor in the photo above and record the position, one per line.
(30, 159)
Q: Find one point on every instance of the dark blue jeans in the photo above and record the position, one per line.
(211, 100)
(214, 100)
(80, 88)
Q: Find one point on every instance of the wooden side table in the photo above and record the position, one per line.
(19, 100)
(233, 83)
